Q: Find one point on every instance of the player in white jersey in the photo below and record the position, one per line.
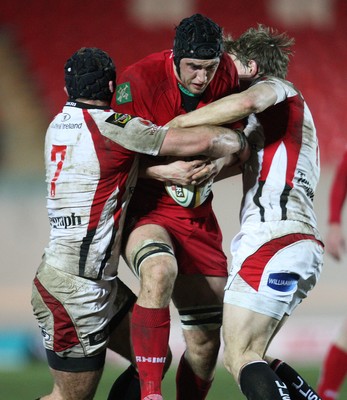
(278, 254)
(91, 170)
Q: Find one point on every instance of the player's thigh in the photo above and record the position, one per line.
(198, 291)
(75, 385)
(246, 333)
(199, 301)
(145, 233)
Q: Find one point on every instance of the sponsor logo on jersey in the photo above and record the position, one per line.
(63, 125)
(65, 117)
(306, 185)
(283, 281)
(123, 93)
(119, 119)
(65, 222)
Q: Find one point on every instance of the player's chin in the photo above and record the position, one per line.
(197, 89)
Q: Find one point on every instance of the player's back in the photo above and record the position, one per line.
(89, 181)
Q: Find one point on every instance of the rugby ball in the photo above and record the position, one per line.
(189, 196)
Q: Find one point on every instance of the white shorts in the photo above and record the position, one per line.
(75, 313)
(274, 266)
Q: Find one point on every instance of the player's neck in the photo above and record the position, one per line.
(99, 103)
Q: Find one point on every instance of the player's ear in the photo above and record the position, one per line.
(252, 68)
(111, 86)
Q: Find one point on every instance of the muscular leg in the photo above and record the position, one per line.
(247, 335)
(154, 261)
(74, 385)
(297, 386)
(193, 294)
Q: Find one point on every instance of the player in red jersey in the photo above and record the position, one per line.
(91, 161)
(334, 369)
(176, 251)
(277, 256)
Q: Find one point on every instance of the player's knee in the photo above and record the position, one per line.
(201, 328)
(156, 257)
(202, 318)
(162, 272)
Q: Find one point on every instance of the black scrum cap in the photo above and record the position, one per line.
(197, 37)
(87, 73)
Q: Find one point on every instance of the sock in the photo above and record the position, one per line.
(298, 388)
(333, 373)
(188, 385)
(126, 386)
(150, 329)
(259, 382)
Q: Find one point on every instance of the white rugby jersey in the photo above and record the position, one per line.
(91, 169)
(282, 173)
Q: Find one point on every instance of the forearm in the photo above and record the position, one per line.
(229, 109)
(153, 172)
(219, 112)
(210, 141)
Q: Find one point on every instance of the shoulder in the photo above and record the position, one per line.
(147, 85)
(152, 68)
(279, 83)
(283, 88)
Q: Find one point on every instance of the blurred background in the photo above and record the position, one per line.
(36, 38)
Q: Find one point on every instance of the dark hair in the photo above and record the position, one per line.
(87, 74)
(268, 48)
(197, 37)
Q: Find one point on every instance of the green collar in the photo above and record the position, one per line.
(186, 91)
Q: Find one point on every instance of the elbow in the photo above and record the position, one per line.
(251, 106)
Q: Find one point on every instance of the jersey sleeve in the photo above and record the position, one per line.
(338, 191)
(135, 134)
(279, 87)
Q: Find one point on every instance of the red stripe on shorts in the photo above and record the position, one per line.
(253, 267)
(65, 335)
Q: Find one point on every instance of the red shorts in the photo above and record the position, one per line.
(197, 243)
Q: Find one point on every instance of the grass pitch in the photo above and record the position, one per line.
(35, 380)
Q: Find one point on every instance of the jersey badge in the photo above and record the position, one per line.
(119, 119)
(123, 93)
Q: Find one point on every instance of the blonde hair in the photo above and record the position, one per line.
(268, 48)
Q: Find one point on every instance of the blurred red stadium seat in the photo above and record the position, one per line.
(48, 33)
